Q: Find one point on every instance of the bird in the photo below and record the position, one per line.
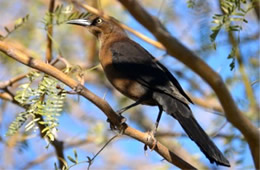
(134, 72)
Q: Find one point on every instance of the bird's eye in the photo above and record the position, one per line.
(99, 21)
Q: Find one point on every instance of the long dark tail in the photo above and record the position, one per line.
(183, 114)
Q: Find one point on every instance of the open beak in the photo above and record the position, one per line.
(81, 22)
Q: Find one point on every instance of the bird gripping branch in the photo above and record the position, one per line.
(138, 75)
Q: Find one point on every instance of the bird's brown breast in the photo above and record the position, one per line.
(128, 87)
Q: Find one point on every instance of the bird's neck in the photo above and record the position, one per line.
(107, 39)
(114, 35)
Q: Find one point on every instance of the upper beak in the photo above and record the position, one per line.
(81, 22)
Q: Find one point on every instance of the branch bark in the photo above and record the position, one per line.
(100, 103)
(257, 9)
(49, 33)
(183, 54)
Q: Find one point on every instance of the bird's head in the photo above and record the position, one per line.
(98, 25)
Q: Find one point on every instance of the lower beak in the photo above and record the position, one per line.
(81, 22)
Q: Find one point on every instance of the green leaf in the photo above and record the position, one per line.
(244, 20)
(239, 14)
(16, 124)
(31, 124)
(232, 56)
(232, 65)
(214, 34)
(75, 155)
(235, 28)
(50, 136)
(236, 19)
(72, 160)
(55, 166)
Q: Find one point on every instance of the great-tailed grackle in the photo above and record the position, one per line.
(137, 74)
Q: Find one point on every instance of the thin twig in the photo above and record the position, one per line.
(13, 80)
(160, 8)
(68, 145)
(184, 135)
(90, 161)
(219, 129)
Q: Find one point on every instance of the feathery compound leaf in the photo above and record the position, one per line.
(16, 124)
(233, 12)
(53, 104)
(232, 19)
(61, 15)
(45, 100)
(18, 23)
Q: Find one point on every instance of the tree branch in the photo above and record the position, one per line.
(10, 82)
(100, 103)
(49, 32)
(179, 51)
(257, 9)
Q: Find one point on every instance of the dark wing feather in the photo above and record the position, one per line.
(138, 64)
(174, 81)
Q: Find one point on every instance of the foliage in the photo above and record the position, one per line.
(191, 3)
(43, 105)
(18, 23)
(61, 15)
(232, 18)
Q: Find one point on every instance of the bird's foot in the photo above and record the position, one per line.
(123, 119)
(151, 140)
(78, 88)
(111, 125)
(114, 127)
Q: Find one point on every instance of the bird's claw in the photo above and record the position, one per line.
(78, 88)
(151, 140)
(114, 127)
(111, 125)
